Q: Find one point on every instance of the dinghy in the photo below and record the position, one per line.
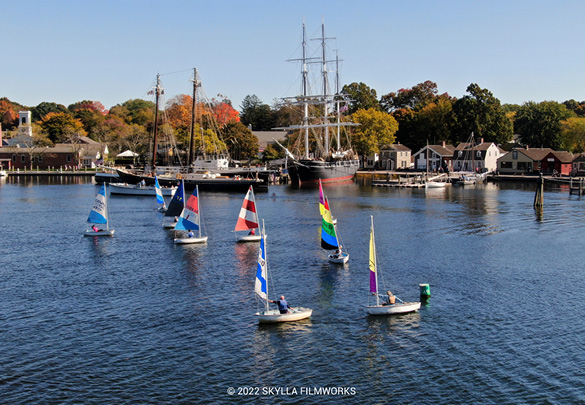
(99, 215)
(329, 234)
(190, 220)
(160, 199)
(248, 219)
(261, 289)
(388, 306)
(175, 207)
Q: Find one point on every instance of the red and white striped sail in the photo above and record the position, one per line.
(248, 218)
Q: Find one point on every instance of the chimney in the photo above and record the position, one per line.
(480, 141)
(526, 147)
(444, 143)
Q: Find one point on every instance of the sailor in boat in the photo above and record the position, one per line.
(95, 228)
(337, 253)
(391, 298)
(252, 232)
(283, 306)
(190, 234)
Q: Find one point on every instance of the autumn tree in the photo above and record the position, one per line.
(136, 111)
(539, 124)
(360, 97)
(90, 113)
(40, 111)
(60, 126)
(573, 134)
(376, 129)
(415, 98)
(8, 114)
(480, 113)
(37, 144)
(240, 141)
(224, 113)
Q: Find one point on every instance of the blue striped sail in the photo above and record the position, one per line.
(99, 212)
(177, 202)
(260, 287)
(159, 196)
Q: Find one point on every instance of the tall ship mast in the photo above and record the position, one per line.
(328, 162)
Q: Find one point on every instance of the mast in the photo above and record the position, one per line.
(266, 262)
(195, 85)
(158, 90)
(338, 103)
(107, 214)
(305, 73)
(325, 90)
(198, 210)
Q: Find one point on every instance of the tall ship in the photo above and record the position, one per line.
(321, 152)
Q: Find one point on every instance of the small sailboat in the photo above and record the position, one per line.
(261, 289)
(175, 207)
(248, 219)
(390, 306)
(99, 215)
(160, 200)
(190, 220)
(329, 240)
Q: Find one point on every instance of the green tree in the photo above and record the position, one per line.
(241, 142)
(360, 97)
(376, 129)
(415, 98)
(539, 124)
(136, 111)
(40, 111)
(256, 114)
(573, 134)
(481, 113)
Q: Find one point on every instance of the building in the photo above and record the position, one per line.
(393, 157)
(558, 162)
(523, 160)
(434, 157)
(482, 157)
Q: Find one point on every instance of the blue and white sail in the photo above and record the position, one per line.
(189, 219)
(159, 195)
(177, 202)
(261, 285)
(99, 211)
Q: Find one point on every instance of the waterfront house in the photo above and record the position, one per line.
(395, 157)
(439, 157)
(481, 157)
(579, 165)
(523, 160)
(558, 162)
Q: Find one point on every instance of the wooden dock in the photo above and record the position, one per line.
(577, 186)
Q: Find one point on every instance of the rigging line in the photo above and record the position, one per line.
(178, 71)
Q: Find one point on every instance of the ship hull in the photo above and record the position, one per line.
(307, 172)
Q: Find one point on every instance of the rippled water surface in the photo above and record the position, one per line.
(136, 319)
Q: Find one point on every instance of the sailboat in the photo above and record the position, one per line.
(430, 182)
(160, 200)
(99, 215)
(328, 162)
(190, 220)
(390, 306)
(175, 207)
(261, 289)
(248, 219)
(329, 239)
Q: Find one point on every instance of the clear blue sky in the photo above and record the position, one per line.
(65, 51)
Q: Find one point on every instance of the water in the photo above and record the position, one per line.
(136, 319)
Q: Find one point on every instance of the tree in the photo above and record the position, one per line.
(8, 117)
(573, 134)
(415, 98)
(136, 111)
(224, 113)
(40, 111)
(481, 113)
(539, 124)
(256, 114)
(376, 129)
(241, 142)
(60, 126)
(36, 145)
(360, 97)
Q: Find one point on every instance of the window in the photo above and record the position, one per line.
(505, 165)
(39, 158)
(23, 158)
(14, 158)
(524, 166)
(478, 153)
(460, 153)
(68, 158)
(514, 154)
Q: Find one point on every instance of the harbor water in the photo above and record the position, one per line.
(138, 319)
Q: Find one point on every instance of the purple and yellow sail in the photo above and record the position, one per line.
(321, 199)
(373, 265)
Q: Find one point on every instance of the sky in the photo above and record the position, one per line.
(65, 51)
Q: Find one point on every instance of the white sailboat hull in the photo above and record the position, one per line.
(187, 241)
(339, 259)
(435, 184)
(91, 232)
(274, 316)
(131, 189)
(249, 238)
(398, 308)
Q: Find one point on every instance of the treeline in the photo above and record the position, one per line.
(130, 125)
(417, 115)
(411, 116)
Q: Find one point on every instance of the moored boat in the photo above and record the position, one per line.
(140, 189)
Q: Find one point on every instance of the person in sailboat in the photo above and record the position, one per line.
(190, 234)
(95, 228)
(391, 298)
(283, 306)
(252, 232)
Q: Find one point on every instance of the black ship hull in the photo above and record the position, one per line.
(190, 181)
(309, 172)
